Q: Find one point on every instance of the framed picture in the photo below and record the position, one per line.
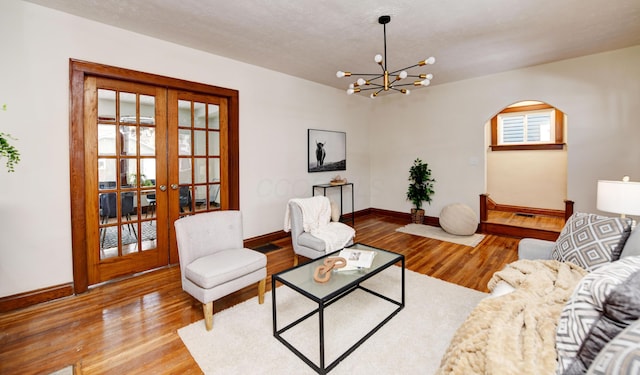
(327, 151)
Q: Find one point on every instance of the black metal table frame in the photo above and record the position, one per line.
(324, 188)
(327, 301)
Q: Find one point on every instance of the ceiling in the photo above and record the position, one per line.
(312, 39)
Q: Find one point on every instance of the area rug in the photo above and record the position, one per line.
(440, 235)
(412, 342)
(110, 239)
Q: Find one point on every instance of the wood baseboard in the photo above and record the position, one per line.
(26, 299)
(264, 239)
(518, 232)
(428, 220)
(34, 297)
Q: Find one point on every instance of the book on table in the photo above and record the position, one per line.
(356, 259)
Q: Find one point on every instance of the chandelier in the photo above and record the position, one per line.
(386, 80)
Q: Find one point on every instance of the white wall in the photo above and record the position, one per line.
(275, 113)
(529, 178)
(444, 125)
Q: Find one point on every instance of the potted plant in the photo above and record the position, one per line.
(7, 150)
(420, 189)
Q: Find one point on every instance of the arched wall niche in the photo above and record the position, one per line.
(527, 175)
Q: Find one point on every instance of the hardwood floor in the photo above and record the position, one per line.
(130, 326)
(554, 223)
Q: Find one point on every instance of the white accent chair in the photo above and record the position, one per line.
(306, 244)
(213, 260)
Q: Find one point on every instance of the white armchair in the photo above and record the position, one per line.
(213, 260)
(314, 235)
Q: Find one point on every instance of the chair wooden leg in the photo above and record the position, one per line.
(262, 285)
(295, 260)
(208, 315)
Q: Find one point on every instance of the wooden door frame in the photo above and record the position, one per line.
(78, 70)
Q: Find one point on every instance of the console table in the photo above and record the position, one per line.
(324, 188)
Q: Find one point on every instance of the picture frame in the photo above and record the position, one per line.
(326, 150)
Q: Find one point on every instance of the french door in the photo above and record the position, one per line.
(150, 155)
(126, 135)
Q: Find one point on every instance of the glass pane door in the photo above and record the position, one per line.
(199, 138)
(199, 158)
(130, 123)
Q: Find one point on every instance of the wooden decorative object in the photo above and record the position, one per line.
(322, 273)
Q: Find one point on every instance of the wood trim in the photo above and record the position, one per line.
(542, 146)
(524, 108)
(77, 176)
(559, 130)
(264, 239)
(484, 203)
(559, 126)
(568, 209)
(529, 210)
(494, 130)
(519, 232)
(26, 299)
(78, 71)
(428, 220)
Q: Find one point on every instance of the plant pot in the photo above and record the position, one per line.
(417, 216)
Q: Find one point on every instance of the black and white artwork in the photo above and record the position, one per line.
(327, 151)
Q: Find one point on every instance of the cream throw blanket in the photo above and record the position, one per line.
(515, 333)
(316, 219)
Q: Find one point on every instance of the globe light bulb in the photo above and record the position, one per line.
(426, 82)
(372, 96)
(429, 76)
(402, 75)
(431, 60)
(378, 58)
(351, 85)
(340, 74)
(350, 91)
(406, 92)
(361, 81)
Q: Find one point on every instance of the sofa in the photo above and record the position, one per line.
(566, 307)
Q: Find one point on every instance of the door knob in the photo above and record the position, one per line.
(174, 186)
(163, 188)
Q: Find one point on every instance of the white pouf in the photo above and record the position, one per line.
(458, 219)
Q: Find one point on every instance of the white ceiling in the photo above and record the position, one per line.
(313, 39)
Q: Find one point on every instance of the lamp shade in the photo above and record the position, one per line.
(621, 197)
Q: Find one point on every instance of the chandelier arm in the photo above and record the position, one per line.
(407, 68)
(371, 88)
(404, 84)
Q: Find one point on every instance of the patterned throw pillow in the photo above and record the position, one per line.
(586, 306)
(621, 309)
(591, 241)
(621, 356)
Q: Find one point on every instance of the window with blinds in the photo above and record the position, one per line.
(530, 127)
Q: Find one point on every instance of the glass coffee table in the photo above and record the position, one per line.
(340, 285)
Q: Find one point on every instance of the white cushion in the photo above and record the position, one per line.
(221, 267)
(458, 219)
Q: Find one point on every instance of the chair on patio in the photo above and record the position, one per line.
(108, 204)
(213, 260)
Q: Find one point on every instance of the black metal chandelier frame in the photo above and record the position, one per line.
(389, 82)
